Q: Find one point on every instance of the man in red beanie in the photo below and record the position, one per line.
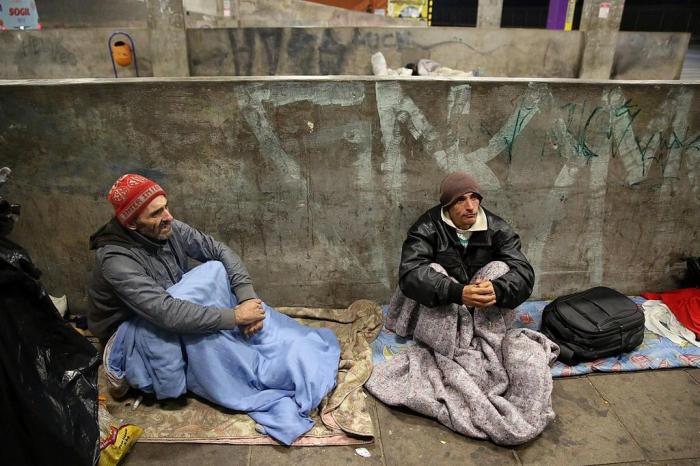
(171, 330)
(142, 251)
(458, 252)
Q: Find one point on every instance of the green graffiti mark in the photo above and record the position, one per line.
(520, 119)
(645, 147)
(581, 145)
(695, 143)
(625, 110)
(571, 108)
(666, 143)
(580, 133)
(683, 144)
(547, 135)
(643, 151)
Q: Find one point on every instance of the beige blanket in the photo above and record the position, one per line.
(343, 417)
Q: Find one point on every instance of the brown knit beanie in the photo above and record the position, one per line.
(456, 184)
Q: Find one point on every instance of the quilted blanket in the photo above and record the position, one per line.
(473, 373)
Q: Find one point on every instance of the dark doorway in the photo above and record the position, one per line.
(525, 14)
(669, 16)
(454, 13)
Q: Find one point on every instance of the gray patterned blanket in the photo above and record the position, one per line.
(474, 374)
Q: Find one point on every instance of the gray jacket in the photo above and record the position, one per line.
(132, 273)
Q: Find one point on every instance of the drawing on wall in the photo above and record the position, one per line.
(586, 136)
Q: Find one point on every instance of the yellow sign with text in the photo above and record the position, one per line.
(412, 9)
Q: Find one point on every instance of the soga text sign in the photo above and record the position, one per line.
(18, 14)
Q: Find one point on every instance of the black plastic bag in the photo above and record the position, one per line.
(48, 373)
(693, 272)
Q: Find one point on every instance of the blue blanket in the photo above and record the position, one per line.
(276, 376)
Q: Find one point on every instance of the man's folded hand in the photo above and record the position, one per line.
(251, 329)
(479, 294)
(249, 312)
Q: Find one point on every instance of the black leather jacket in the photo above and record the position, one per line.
(430, 239)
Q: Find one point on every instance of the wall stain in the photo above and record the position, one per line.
(33, 50)
(300, 49)
(272, 41)
(331, 53)
(243, 46)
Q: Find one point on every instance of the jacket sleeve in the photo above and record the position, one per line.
(417, 279)
(204, 248)
(146, 298)
(515, 286)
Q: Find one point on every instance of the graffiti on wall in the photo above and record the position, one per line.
(315, 181)
(272, 51)
(586, 136)
(35, 49)
(332, 248)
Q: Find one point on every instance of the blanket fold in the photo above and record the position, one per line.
(343, 417)
(278, 376)
(473, 373)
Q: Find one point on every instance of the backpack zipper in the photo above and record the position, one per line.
(612, 318)
(601, 333)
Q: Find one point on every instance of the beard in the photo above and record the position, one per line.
(160, 232)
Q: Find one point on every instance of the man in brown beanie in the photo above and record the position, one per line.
(461, 275)
(458, 252)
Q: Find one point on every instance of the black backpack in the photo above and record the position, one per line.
(593, 324)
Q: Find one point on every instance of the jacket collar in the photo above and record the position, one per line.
(481, 223)
(478, 238)
(113, 233)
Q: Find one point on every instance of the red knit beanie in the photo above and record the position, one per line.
(455, 185)
(130, 194)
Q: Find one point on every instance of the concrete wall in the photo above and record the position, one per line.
(71, 53)
(67, 53)
(489, 13)
(315, 181)
(601, 26)
(313, 51)
(650, 55)
(168, 38)
(497, 52)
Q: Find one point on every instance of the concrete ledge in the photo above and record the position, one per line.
(347, 78)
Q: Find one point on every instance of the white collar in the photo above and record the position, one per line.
(481, 223)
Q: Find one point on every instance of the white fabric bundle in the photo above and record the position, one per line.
(659, 319)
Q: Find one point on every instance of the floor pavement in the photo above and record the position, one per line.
(634, 418)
